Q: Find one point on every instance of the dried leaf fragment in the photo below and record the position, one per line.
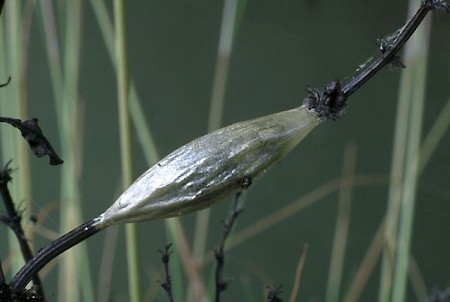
(32, 133)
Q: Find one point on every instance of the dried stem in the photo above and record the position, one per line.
(219, 253)
(330, 103)
(388, 54)
(13, 220)
(167, 284)
(57, 247)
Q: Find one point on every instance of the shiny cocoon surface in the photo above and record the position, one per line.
(211, 167)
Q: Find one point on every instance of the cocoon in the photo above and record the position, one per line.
(211, 167)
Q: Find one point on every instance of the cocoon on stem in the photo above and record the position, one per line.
(210, 168)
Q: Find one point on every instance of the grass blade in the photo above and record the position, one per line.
(14, 105)
(407, 134)
(413, 88)
(132, 247)
(342, 225)
(227, 33)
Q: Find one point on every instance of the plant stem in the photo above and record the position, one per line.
(219, 253)
(47, 254)
(413, 89)
(389, 54)
(404, 173)
(12, 62)
(342, 224)
(125, 145)
(70, 279)
(434, 136)
(137, 113)
(167, 284)
(13, 220)
(216, 108)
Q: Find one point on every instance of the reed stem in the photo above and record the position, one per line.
(132, 245)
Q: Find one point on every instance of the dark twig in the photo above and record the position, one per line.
(2, 2)
(219, 253)
(9, 78)
(167, 284)
(274, 293)
(13, 220)
(47, 254)
(331, 102)
(390, 52)
(2, 275)
(32, 133)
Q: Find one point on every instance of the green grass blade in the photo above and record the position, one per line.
(132, 247)
(143, 132)
(53, 54)
(227, 33)
(137, 117)
(65, 78)
(222, 64)
(74, 276)
(402, 143)
(10, 93)
(434, 136)
(342, 226)
(413, 89)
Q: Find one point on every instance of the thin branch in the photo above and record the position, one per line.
(13, 220)
(298, 274)
(219, 253)
(330, 103)
(167, 284)
(388, 52)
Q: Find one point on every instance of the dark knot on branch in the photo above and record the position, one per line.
(330, 103)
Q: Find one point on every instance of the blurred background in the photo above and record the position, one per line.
(62, 73)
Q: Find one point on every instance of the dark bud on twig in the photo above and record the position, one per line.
(5, 174)
(32, 133)
(11, 222)
(274, 293)
(396, 63)
(165, 255)
(328, 104)
(33, 218)
(437, 4)
(166, 286)
(221, 286)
